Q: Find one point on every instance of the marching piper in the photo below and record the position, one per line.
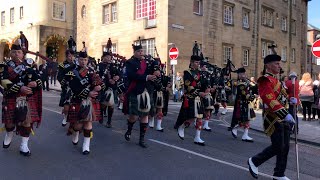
(84, 109)
(241, 112)
(192, 107)
(22, 98)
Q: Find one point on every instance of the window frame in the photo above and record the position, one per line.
(63, 4)
(244, 12)
(200, 7)
(110, 16)
(3, 18)
(284, 22)
(83, 11)
(147, 46)
(114, 15)
(264, 47)
(245, 56)
(21, 12)
(293, 26)
(149, 13)
(284, 54)
(267, 17)
(228, 18)
(11, 15)
(225, 53)
(293, 55)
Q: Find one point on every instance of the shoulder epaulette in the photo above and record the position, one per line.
(61, 65)
(70, 73)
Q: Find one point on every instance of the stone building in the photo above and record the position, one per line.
(239, 30)
(47, 24)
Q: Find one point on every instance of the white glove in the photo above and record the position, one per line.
(293, 100)
(289, 119)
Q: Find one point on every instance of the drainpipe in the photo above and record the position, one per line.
(256, 36)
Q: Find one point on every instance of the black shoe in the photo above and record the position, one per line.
(86, 152)
(143, 144)
(127, 136)
(101, 121)
(75, 143)
(247, 140)
(63, 125)
(199, 143)
(108, 125)
(25, 153)
(160, 130)
(209, 130)
(5, 146)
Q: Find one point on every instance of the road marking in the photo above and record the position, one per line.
(51, 110)
(207, 157)
(211, 120)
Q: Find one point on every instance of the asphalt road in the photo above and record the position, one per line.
(168, 157)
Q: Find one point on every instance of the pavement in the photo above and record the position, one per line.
(309, 131)
(54, 157)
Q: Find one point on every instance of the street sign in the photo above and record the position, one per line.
(318, 61)
(173, 62)
(316, 48)
(173, 53)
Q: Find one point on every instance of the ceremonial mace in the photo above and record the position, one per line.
(293, 79)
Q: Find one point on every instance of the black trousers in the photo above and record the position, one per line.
(45, 83)
(306, 106)
(279, 147)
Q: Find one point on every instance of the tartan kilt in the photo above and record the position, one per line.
(187, 110)
(133, 106)
(75, 108)
(8, 108)
(34, 104)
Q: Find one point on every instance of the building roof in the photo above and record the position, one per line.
(311, 27)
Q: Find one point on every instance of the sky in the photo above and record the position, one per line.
(314, 14)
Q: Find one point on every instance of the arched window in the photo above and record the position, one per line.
(83, 11)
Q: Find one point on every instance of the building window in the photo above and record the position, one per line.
(147, 46)
(228, 14)
(21, 12)
(245, 57)
(284, 54)
(267, 17)
(293, 26)
(227, 54)
(12, 15)
(110, 17)
(284, 23)
(197, 7)
(245, 19)
(113, 48)
(59, 11)
(293, 51)
(264, 49)
(3, 18)
(106, 14)
(146, 9)
(83, 11)
(114, 12)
